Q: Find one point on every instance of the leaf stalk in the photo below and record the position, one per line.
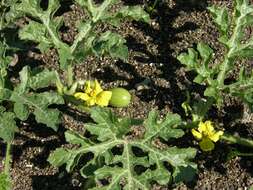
(7, 159)
(237, 140)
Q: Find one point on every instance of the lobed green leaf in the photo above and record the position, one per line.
(237, 45)
(221, 18)
(121, 168)
(36, 32)
(112, 44)
(7, 125)
(26, 101)
(127, 12)
(199, 62)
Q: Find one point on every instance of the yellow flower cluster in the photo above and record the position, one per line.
(207, 135)
(94, 95)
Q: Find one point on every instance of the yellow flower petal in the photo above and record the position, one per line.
(103, 98)
(82, 96)
(94, 94)
(209, 126)
(88, 88)
(206, 144)
(206, 128)
(196, 134)
(216, 136)
(91, 101)
(202, 127)
(97, 88)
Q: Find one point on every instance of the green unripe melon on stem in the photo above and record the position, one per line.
(120, 97)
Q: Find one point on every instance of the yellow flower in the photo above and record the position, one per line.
(94, 94)
(207, 135)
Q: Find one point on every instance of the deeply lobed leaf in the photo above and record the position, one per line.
(26, 102)
(238, 46)
(44, 29)
(7, 125)
(111, 132)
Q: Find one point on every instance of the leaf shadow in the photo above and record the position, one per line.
(59, 181)
(162, 38)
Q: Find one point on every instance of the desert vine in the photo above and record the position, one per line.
(44, 29)
(31, 94)
(111, 131)
(115, 152)
(238, 46)
(18, 101)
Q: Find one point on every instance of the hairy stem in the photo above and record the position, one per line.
(2, 15)
(237, 140)
(70, 75)
(7, 159)
(223, 72)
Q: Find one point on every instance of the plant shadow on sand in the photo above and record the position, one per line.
(161, 37)
(163, 60)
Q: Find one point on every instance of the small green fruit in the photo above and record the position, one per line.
(120, 97)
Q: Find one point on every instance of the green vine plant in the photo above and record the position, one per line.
(6, 16)
(120, 169)
(18, 101)
(43, 28)
(7, 124)
(238, 46)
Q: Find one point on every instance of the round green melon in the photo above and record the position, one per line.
(120, 97)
